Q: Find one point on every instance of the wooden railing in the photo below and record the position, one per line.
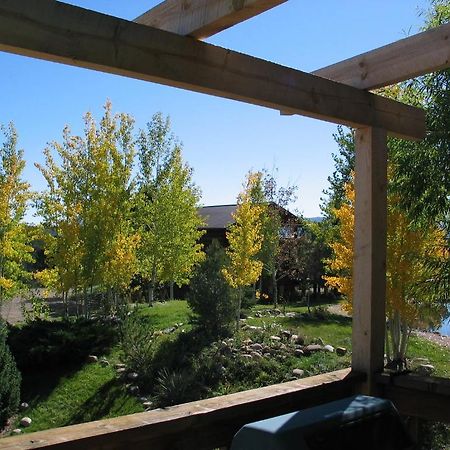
(205, 424)
(417, 396)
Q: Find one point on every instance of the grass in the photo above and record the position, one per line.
(91, 393)
(85, 392)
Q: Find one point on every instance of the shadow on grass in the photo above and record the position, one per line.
(327, 318)
(109, 400)
(47, 351)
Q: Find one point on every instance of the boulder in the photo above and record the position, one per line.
(286, 334)
(341, 351)
(425, 369)
(299, 352)
(256, 347)
(25, 422)
(275, 338)
(312, 348)
(328, 348)
(298, 373)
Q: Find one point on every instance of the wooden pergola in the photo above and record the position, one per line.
(162, 46)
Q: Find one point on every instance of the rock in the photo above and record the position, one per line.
(328, 348)
(247, 341)
(425, 369)
(341, 351)
(132, 376)
(147, 404)
(92, 359)
(267, 355)
(299, 352)
(143, 399)
(133, 390)
(25, 422)
(298, 373)
(318, 341)
(276, 311)
(300, 340)
(249, 317)
(291, 314)
(254, 328)
(169, 330)
(104, 363)
(247, 356)
(275, 338)
(313, 348)
(121, 371)
(16, 431)
(24, 406)
(255, 355)
(119, 366)
(256, 347)
(286, 334)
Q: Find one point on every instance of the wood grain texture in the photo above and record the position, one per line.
(67, 34)
(417, 396)
(201, 425)
(410, 57)
(203, 18)
(369, 268)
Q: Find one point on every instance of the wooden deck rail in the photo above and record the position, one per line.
(205, 424)
(417, 396)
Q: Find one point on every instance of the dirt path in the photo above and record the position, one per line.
(12, 311)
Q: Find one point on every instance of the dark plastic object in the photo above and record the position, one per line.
(354, 423)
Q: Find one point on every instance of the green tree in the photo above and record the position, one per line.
(9, 379)
(15, 251)
(210, 296)
(87, 205)
(245, 240)
(166, 211)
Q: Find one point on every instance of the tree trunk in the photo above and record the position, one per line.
(171, 290)
(238, 309)
(274, 289)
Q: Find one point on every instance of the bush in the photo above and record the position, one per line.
(9, 380)
(210, 296)
(138, 345)
(54, 344)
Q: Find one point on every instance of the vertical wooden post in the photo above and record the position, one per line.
(369, 273)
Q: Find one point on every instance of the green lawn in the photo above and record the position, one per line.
(90, 392)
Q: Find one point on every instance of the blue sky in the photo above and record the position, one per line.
(222, 139)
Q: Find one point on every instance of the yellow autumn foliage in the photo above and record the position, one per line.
(408, 249)
(245, 240)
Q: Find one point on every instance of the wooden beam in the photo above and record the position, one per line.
(410, 57)
(71, 35)
(203, 18)
(417, 396)
(369, 268)
(201, 425)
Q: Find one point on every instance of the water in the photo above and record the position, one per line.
(445, 327)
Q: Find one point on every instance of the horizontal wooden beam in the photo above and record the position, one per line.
(203, 18)
(424, 397)
(408, 58)
(71, 35)
(201, 425)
